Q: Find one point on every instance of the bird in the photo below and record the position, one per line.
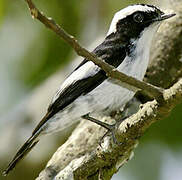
(88, 91)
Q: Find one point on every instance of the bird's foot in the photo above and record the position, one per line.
(111, 128)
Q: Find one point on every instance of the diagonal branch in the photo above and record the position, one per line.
(74, 160)
(81, 157)
(112, 72)
(129, 132)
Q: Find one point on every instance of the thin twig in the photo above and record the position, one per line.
(111, 71)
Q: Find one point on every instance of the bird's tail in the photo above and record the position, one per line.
(29, 144)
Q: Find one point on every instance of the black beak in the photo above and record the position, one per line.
(162, 17)
(166, 16)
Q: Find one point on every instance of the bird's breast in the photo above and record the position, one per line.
(109, 96)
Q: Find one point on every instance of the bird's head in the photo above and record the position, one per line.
(130, 22)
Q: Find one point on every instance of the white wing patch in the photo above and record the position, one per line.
(89, 69)
(126, 12)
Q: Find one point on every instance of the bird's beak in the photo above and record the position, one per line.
(163, 17)
(166, 16)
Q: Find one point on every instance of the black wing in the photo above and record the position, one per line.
(73, 87)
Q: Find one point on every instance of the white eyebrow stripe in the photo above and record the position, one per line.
(126, 12)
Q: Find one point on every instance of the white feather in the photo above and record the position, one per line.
(126, 12)
(85, 71)
(107, 96)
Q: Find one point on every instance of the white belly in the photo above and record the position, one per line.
(107, 96)
(102, 100)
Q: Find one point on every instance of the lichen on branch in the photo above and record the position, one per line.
(81, 157)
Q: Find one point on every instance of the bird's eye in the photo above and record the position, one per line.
(138, 17)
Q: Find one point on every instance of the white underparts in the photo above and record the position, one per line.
(107, 96)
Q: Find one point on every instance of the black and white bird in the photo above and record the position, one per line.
(88, 90)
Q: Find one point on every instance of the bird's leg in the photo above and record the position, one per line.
(110, 127)
(103, 124)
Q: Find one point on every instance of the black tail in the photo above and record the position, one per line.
(29, 144)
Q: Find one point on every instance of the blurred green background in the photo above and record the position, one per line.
(31, 54)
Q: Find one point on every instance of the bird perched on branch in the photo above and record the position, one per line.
(87, 91)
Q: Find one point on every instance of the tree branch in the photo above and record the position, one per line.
(81, 157)
(112, 72)
(166, 52)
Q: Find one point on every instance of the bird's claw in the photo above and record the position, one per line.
(111, 129)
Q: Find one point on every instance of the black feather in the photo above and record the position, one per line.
(29, 144)
(113, 54)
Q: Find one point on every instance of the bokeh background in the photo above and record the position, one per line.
(34, 61)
